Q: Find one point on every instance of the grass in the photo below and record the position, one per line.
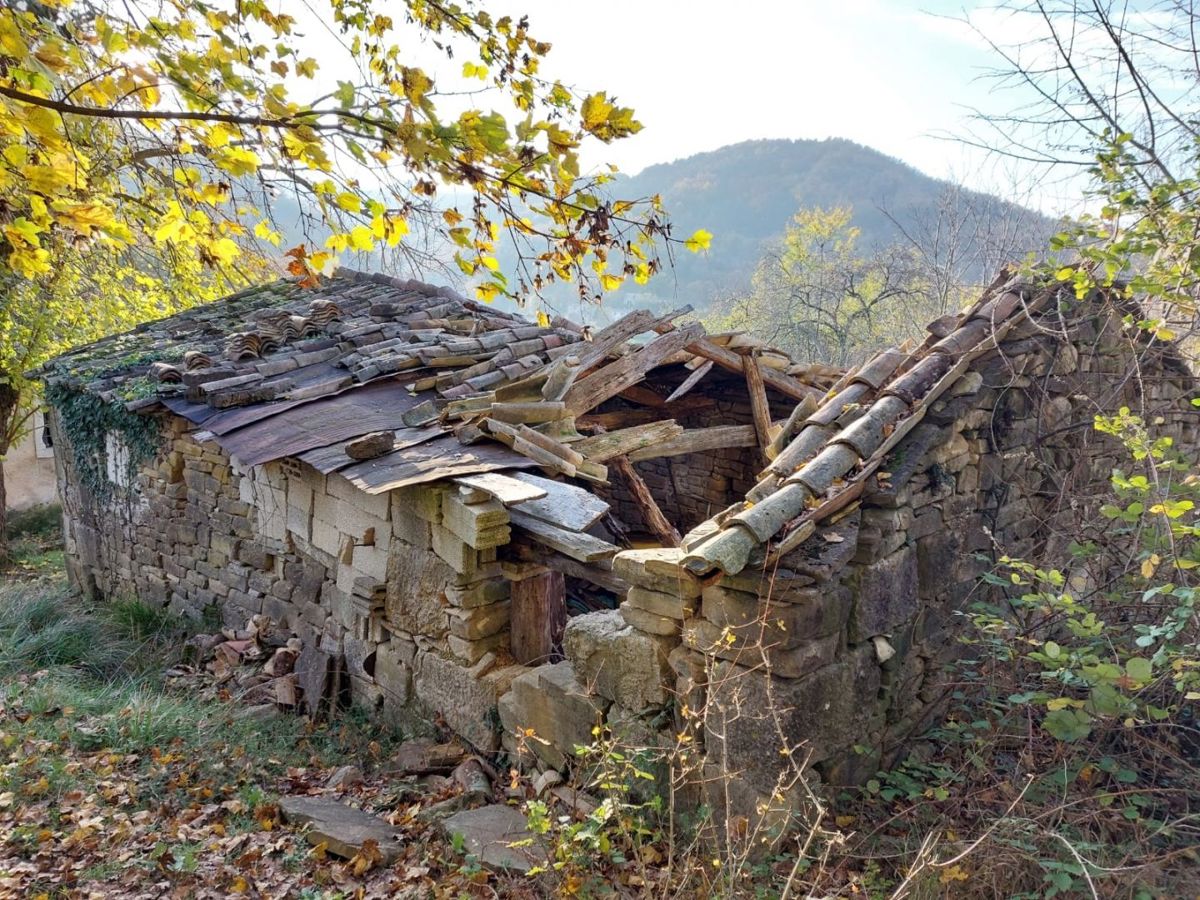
(35, 543)
(99, 752)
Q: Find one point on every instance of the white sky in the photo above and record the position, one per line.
(895, 75)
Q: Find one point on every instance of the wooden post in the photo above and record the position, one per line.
(760, 409)
(538, 617)
(655, 520)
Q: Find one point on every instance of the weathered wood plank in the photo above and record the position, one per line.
(565, 505)
(538, 617)
(508, 491)
(578, 546)
(727, 359)
(653, 516)
(605, 446)
(628, 370)
(697, 440)
(691, 381)
(760, 408)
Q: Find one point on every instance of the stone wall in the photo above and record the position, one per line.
(837, 655)
(406, 613)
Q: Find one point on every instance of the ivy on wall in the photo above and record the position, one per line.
(87, 421)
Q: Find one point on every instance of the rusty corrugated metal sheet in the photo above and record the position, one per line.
(374, 407)
(441, 458)
(332, 458)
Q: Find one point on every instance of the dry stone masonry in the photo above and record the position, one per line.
(768, 559)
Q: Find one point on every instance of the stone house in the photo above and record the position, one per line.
(509, 526)
(29, 467)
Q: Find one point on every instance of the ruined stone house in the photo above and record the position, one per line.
(506, 526)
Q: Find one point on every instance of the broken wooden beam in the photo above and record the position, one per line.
(578, 546)
(604, 446)
(760, 407)
(659, 525)
(599, 573)
(698, 440)
(610, 380)
(727, 359)
(691, 381)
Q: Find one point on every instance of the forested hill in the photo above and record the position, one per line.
(746, 193)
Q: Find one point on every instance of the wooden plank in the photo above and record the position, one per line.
(565, 505)
(538, 617)
(629, 326)
(691, 381)
(599, 573)
(727, 359)
(628, 370)
(658, 524)
(581, 547)
(639, 393)
(440, 458)
(533, 413)
(604, 446)
(760, 408)
(697, 440)
(508, 491)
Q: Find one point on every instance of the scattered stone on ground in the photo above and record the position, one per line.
(490, 831)
(343, 829)
(344, 778)
(423, 756)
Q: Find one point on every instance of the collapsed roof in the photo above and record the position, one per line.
(286, 371)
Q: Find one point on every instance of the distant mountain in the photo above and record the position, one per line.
(746, 194)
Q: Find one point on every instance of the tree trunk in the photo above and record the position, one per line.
(8, 409)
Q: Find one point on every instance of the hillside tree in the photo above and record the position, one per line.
(150, 143)
(823, 298)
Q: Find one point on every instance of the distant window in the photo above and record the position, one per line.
(43, 444)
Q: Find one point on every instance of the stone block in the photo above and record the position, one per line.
(885, 595)
(479, 525)
(823, 611)
(326, 537)
(363, 527)
(619, 662)
(453, 551)
(750, 714)
(552, 702)
(377, 505)
(480, 621)
(656, 568)
(411, 528)
(371, 561)
(467, 703)
(422, 500)
(660, 604)
(416, 590)
(471, 651)
(649, 622)
(480, 593)
(748, 650)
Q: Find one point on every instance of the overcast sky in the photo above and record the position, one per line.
(896, 75)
